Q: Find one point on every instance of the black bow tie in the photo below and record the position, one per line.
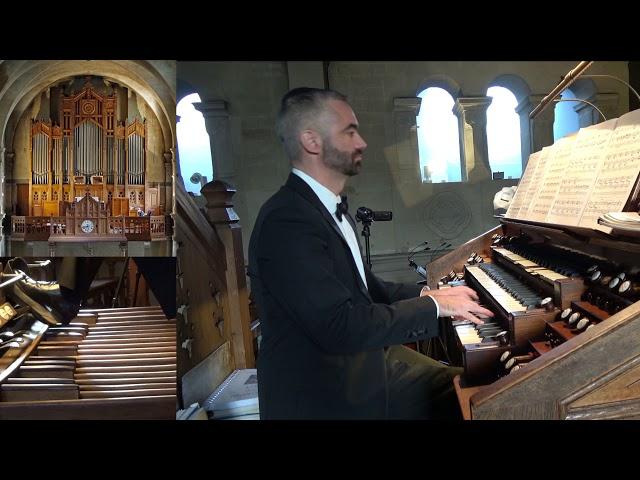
(342, 208)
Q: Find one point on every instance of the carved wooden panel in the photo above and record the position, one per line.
(119, 206)
(201, 283)
(88, 148)
(614, 395)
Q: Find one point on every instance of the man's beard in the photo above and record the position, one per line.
(341, 161)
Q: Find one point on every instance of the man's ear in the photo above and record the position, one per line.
(311, 141)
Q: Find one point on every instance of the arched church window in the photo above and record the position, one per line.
(566, 120)
(503, 134)
(438, 139)
(194, 149)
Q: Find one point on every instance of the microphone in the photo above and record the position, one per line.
(364, 214)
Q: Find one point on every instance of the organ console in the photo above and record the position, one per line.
(563, 281)
(564, 342)
(117, 363)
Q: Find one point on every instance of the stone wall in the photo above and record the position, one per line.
(383, 95)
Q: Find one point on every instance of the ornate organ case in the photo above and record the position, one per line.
(90, 153)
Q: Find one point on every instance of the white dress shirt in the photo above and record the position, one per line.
(330, 200)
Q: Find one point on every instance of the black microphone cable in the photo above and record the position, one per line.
(440, 247)
(412, 252)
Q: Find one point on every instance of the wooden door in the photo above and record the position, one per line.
(22, 207)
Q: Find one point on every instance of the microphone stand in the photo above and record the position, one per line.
(366, 234)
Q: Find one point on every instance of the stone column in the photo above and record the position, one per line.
(166, 194)
(472, 121)
(8, 183)
(523, 109)
(8, 193)
(608, 103)
(405, 111)
(541, 127)
(216, 119)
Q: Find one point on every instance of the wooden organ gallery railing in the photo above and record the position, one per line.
(82, 223)
(89, 154)
(214, 335)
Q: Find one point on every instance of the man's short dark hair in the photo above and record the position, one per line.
(302, 108)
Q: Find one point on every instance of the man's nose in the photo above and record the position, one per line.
(361, 144)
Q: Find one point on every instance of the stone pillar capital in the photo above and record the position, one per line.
(472, 109)
(472, 121)
(541, 127)
(606, 102)
(407, 104)
(213, 108)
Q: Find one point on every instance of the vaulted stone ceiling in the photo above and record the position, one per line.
(22, 80)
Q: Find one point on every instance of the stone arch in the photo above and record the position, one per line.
(584, 88)
(511, 82)
(184, 88)
(441, 81)
(154, 81)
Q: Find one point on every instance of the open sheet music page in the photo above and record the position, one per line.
(536, 182)
(584, 165)
(620, 168)
(523, 186)
(554, 171)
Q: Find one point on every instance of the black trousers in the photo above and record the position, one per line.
(420, 387)
(75, 275)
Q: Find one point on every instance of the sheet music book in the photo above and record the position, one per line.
(625, 221)
(584, 165)
(517, 202)
(581, 177)
(236, 396)
(556, 167)
(620, 167)
(547, 154)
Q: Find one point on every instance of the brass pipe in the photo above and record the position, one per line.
(568, 79)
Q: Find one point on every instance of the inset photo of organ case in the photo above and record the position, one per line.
(88, 157)
(88, 338)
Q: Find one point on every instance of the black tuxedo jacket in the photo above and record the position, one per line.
(322, 353)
